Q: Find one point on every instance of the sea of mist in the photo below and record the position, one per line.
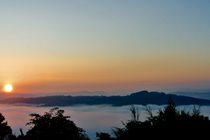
(100, 118)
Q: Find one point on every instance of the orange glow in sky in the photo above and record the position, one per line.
(112, 46)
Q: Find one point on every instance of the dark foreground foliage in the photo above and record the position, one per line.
(169, 123)
(5, 130)
(53, 125)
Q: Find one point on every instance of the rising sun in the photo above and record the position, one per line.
(8, 88)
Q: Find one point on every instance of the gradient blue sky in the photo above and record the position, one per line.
(110, 45)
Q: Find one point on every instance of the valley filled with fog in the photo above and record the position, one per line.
(100, 118)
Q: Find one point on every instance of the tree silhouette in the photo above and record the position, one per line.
(103, 136)
(167, 124)
(54, 125)
(166, 118)
(5, 130)
(133, 128)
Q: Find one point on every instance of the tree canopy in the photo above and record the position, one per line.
(54, 125)
(5, 130)
(168, 122)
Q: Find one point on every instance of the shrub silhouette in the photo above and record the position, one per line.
(133, 128)
(54, 125)
(168, 123)
(5, 130)
(103, 136)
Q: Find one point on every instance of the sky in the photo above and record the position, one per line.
(115, 46)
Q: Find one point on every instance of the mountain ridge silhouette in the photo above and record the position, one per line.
(139, 98)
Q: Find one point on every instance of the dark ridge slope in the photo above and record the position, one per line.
(140, 98)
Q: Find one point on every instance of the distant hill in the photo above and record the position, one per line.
(140, 98)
